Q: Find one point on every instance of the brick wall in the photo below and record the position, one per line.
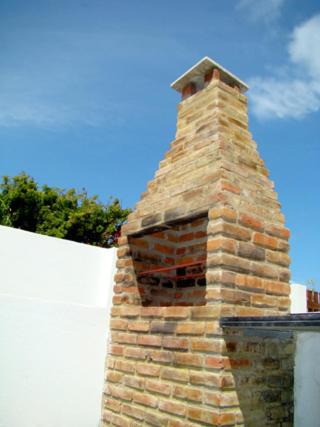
(211, 201)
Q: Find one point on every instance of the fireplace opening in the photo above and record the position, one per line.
(170, 264)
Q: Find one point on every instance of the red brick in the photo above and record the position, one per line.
(138, 326)
(135, 353)
(168, 250)
(158, 387)
(228, 186)
(188, 359)
(190, 328)
(251, 222)
(225, 213)
(150, 340)
(265, 241)
(175, 343)
(148, 369)
(172, 374)
(173, 408)
(145, 399)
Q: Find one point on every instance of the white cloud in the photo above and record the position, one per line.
(297, 92)
(304, 47)
(262, 10)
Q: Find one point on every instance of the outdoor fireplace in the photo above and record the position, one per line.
(206, 240)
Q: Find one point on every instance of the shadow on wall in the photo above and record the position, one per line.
(262, 371)
(170, 264)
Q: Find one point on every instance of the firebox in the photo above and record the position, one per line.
(170, 263)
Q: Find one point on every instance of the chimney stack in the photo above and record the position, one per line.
(207, 239)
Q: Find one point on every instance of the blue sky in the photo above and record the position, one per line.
(85, 98)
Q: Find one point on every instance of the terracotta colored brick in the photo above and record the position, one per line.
(135, 353)
(206, 345)
(183, 393)
(204, 416)
(148, 369)
(164, 249)
(173, 408)
(179, 375)
(228, 186)
(251, 222)
(249, 282)
(215, 362)
(145, 399)
(114, 376)
(160, 356)
(138, 326)
(176, 312)
(133, 411)
(130, 311)
(222, 243)
(225, 213)
(125, 366)
(125, 338)
(116, 350)
(278, 258)
(190, 328)
(152, 311)
(134, 382)
(277, 288)
(150, 340)
(112, 404)
(119, 324)
(121, 393)
(205, 312)
(206, 378)
(175, 343)
(188, 359)
(235, 231)
(158, 387)
(281, 232)
(265, 241)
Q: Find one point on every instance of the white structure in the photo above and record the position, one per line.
(307, 380)
(298, 296)
(55, 297)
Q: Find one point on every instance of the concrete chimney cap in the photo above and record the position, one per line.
(200, 69)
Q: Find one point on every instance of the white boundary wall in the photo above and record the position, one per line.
(298, 297)
(307, 380)
(55, 298)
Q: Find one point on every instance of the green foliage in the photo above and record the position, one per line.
(60, 213)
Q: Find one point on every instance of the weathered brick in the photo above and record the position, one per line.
(145, 399)
(138, 326)
(158, 387)
(148, 369)
(190, 328)
(150, 340)
(175, 343)
(173, 408)
(179, 375)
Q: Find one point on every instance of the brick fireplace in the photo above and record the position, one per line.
(207, 239)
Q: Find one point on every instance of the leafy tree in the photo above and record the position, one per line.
(67, 214)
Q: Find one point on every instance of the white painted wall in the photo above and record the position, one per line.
(307, 380)
(55, 298)
(298, 297)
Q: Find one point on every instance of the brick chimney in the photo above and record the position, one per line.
(206, 240)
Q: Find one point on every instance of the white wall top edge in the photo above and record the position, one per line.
(37, 266)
